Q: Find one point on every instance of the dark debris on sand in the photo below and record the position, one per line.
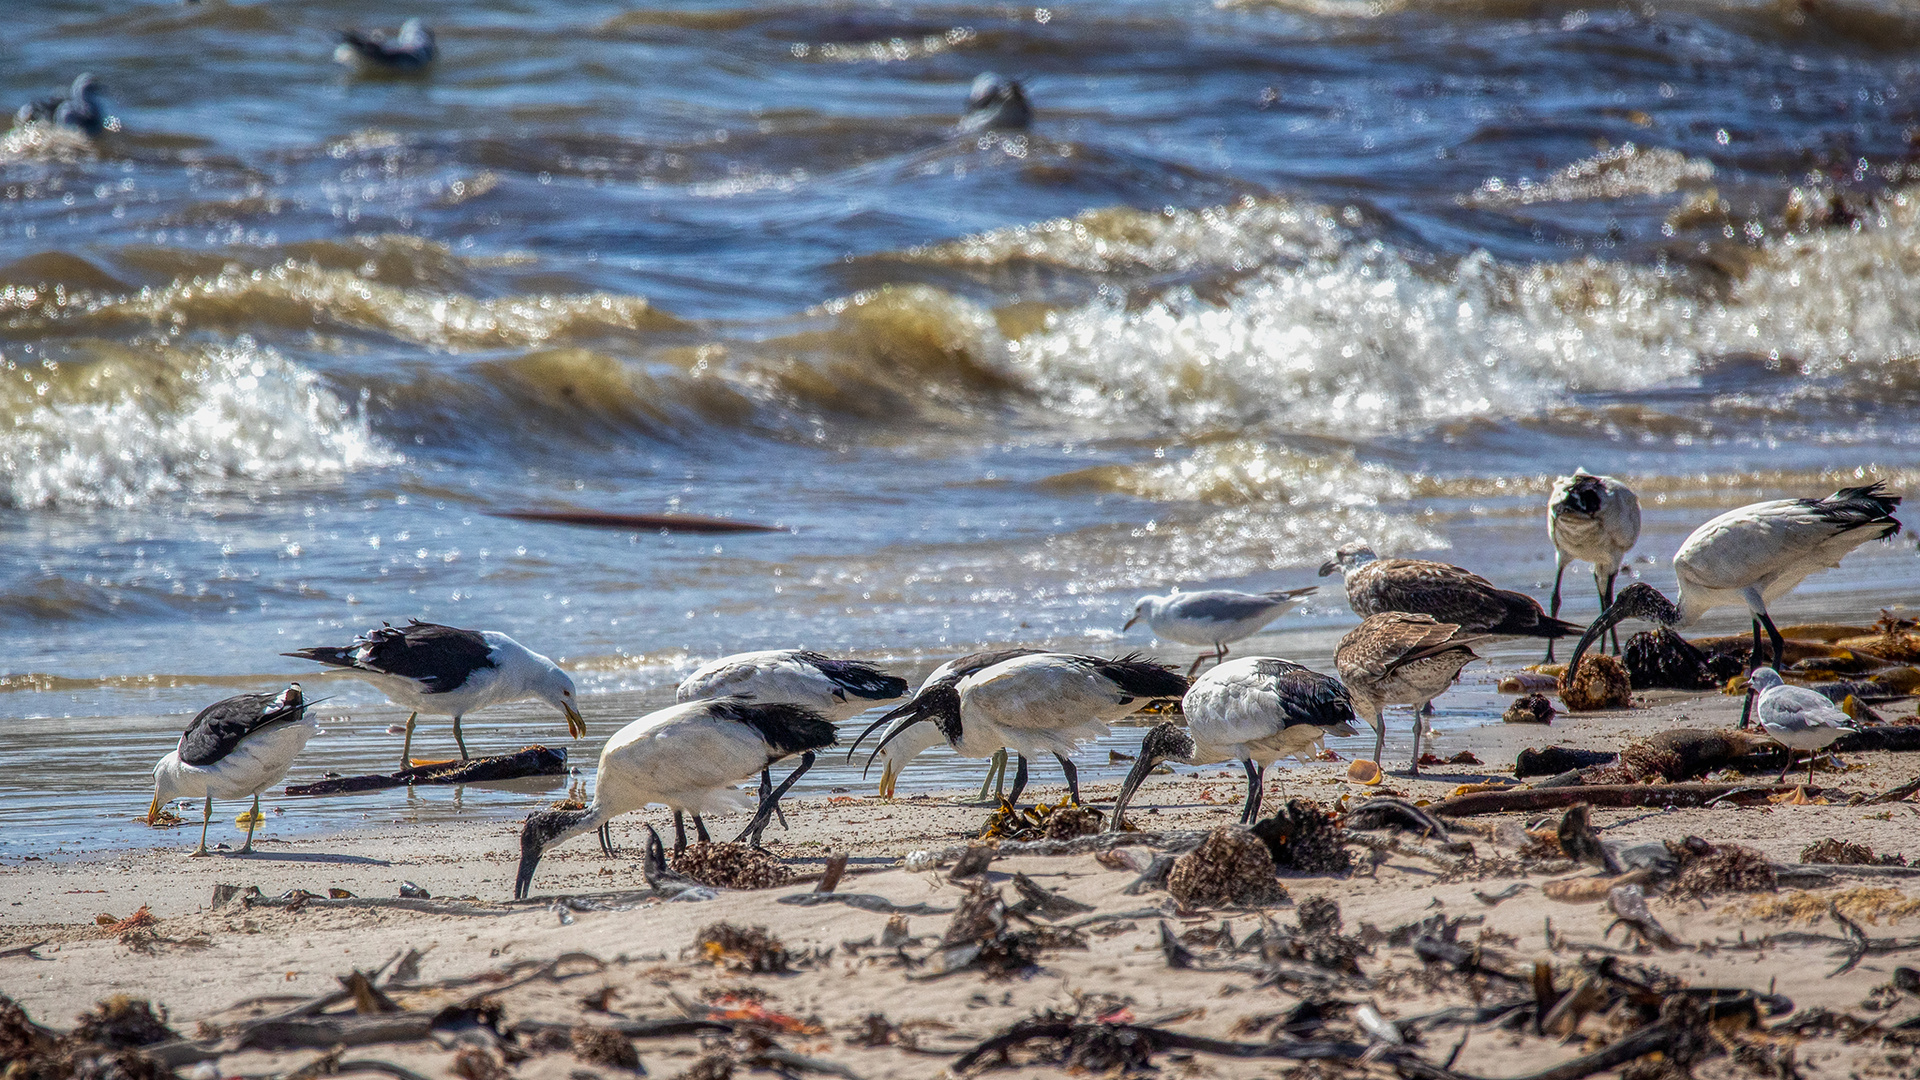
(732, 866)
(1835, 852)
(1231, 867)
(1707, 869)
(104, 1045)
(743, 948)
(1304, 837)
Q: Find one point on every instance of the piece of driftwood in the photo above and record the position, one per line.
(1895, 737)
(1553, 760)
(533, 761)
(686, 523)
(1607, 795)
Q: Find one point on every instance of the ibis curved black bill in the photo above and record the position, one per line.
(889, 737)
(892, 714)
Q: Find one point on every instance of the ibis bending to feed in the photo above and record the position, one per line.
(1213, 617)
(446, 671)
(233, 749)
(1041, 702)
(1254, 710)
(691, 757)
(836, 689)
(913, 739)
(1446, 592)
(1395, 658)
(1592, 519)
(1754, 555)
(1795, 717)
(407, 52)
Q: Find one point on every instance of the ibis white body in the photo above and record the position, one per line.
(836, 689)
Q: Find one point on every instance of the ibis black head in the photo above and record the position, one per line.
(1164, 742)
(938, 704)
(1637, 601)
(541, 831)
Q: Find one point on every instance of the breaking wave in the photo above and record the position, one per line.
(124, 426)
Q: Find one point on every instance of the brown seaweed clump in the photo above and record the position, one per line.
(1663, 660)
(1601, 682)
(121, 1022)
(1706, 869)
(1231, 867)
(1892, 639)
(743, 948)
(1834, 852)
(1065, 820)
(596, 1045)
(1303, 837)
(477, 1063)
(732, 866)
(105, 1045)
(1531, 709)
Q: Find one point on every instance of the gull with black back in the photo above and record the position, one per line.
(234, 749)
(1254, 710)
(79, 108)
(408, 52)
(691, 757)
(447, 671)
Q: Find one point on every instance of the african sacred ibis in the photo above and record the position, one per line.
(913, 739)
(447, 671)
(1254, 710)
(1754, 555)
(1042, 702)
(1592, 519)
(691, 757)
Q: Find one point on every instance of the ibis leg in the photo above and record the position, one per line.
(606, 839)
(459, 740)
(770, 803)
(766, 785)
(679, 832)
(1220, 653)
(253, 817)
(406, 748)
(996, 778)
(1256, 784)
(1019, 779)
(1073, 776)
(1197, 661)
(206, 819)
(700, 829)
(1553, 606)
(1606, 601)
(1773, 636)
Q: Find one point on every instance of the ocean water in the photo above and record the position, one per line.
(1261, 278)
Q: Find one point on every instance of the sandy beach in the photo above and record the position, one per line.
(212, 969)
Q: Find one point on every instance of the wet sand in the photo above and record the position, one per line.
(200, 961)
